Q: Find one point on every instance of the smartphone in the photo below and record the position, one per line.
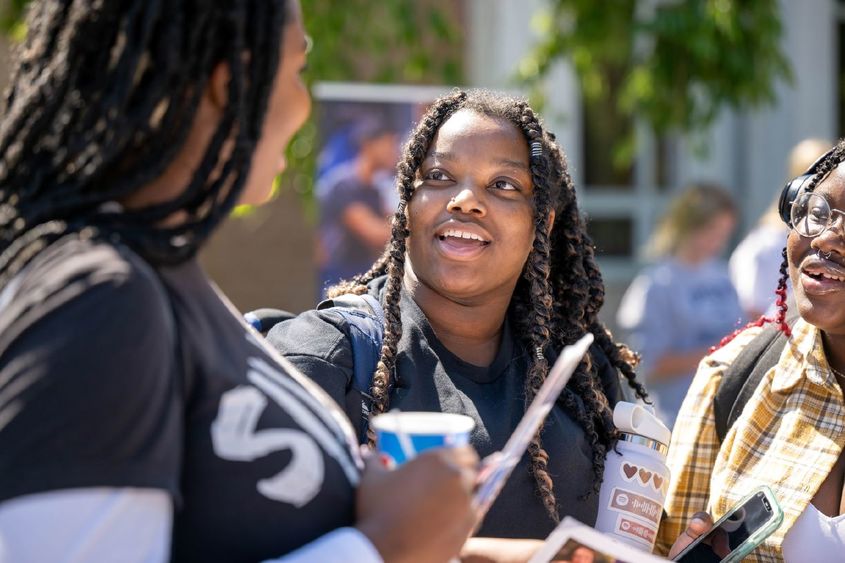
(738, 532)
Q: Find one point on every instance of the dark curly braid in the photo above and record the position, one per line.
(102, 98)
(393, 261)
(833, 159)
(556, 300)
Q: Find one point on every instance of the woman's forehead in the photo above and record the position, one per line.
(468, 131)
(833, 185)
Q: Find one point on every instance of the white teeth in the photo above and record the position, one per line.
(462, 234)
(837, 278)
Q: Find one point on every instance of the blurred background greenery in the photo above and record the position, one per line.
(644, 95)
(674, 65)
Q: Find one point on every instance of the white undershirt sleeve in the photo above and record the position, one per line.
(126, 525)
(90, 524)
(339, 546)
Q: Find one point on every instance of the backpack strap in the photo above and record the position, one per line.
(364, 328)
(741, 378)
(263, 320)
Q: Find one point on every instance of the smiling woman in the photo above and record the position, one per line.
(488, 274)
(789, 435)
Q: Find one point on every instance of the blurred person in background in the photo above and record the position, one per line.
(354, 225)
(140, 418)
(756, 260)
(684, 303)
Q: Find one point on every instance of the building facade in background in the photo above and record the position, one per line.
(746, 151)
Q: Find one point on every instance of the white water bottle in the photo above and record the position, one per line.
(635, 479)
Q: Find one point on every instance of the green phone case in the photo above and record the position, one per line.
(757, 537)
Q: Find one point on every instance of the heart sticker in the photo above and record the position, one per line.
(658, 481)
(629, 470)
(645, 476)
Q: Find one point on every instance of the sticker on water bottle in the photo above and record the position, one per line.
(636, 530)
(642, 476)
(636, 505)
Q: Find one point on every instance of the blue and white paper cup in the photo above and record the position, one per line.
(402, 435)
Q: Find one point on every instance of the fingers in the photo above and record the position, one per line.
(366, 451)
(488, 466)
(463, 456)
(421, 508)
(700, 523)
(372, 463)
(465, 459)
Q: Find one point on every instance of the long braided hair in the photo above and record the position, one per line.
(556, 300)
(831, 160)
(102, 98)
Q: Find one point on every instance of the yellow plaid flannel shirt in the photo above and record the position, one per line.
(788, 437)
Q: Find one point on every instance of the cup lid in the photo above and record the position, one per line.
(632, 418)
(425, 423)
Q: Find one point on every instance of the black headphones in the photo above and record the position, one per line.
(793, 188)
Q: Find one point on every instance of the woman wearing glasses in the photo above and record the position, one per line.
(791, 431)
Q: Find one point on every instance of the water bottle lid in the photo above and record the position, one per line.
(632, 418)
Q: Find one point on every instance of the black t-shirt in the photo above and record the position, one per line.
(431, 378)
(97, 390)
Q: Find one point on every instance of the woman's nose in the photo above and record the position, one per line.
(467, 201)
(833, 237)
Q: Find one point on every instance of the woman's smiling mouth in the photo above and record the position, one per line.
(819, 276)
(461, 244)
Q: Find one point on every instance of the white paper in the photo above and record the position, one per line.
(571, 533)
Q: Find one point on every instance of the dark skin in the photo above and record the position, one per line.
(403, 511)
(819, 298)
(473, 183)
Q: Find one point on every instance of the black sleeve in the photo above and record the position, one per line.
(88, 390)
(316, 344)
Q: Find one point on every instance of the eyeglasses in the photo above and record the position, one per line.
(812, 215)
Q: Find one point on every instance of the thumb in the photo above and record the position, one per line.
(372, 462)
(700, 523)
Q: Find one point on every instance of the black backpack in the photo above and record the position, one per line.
(740, 380)
(364, 327)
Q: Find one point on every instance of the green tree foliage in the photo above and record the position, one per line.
(11, 15)
(673, 63)
(388, 41)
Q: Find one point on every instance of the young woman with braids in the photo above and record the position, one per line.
(790, 434)
(488, 273)
(140, 419)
